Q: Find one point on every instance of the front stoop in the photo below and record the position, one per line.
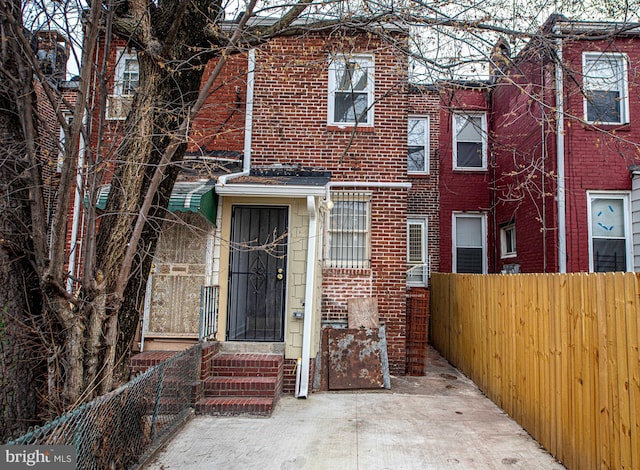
(242, 383)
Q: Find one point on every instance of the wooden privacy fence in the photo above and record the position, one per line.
(557, 352)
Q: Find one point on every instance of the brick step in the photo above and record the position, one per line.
(240, 386)
(234, 406)
(145, 360)
(247, 365)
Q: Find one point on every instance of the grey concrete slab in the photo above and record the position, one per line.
(438, 422)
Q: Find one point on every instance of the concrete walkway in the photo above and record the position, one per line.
(440, 421)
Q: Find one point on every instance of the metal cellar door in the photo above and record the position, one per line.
(257, 278)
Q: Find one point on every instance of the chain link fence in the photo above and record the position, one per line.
(118, 430)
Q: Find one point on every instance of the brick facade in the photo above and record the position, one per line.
(597, 157)
(459, 191)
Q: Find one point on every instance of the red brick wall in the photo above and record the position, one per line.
(523, 147)
(423, 197)
(596, 158)
(290, 127)
(459, 190)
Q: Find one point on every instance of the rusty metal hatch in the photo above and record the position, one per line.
(358, 359)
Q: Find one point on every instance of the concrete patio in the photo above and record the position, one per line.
(440, 421)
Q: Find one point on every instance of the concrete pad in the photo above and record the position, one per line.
(436, 422)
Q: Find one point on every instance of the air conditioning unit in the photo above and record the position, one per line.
(118, 106)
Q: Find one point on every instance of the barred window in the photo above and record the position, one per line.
(349, 230)
(417, 266)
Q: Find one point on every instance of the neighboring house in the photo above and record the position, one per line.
(465, 177)
(524, 191)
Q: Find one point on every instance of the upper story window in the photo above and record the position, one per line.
(418, 145)
(351, 90)
(606, 96)
(127, 74)
(125, 82)
(469, 141)
(610, 236)
(349, 230)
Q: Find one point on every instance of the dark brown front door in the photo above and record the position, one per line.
(257, 277)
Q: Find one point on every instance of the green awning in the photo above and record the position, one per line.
(191, 196)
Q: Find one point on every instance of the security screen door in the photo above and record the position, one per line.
(257, 277)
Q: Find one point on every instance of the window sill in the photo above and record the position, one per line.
(592, 126)
(470, 170)
(346, 271)
(349, 128)
(418, 175)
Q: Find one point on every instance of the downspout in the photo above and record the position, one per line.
(248, 122)
(561, 201)
(302, 388)
(77, 201)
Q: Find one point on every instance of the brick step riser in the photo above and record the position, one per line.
(240, 387)
(219, 371)
(247, 364)
(224, 407)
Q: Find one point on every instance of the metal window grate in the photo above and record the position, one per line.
(349, 230)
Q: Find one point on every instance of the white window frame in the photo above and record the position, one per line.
(347, 196)
(423, 264)
(625, 196)
(119, 104)
(484, 136)
(506, 232)
(623, 83)
(118, 76)
(62, 138)
(483, 222)
(363, 61)
(426, 145)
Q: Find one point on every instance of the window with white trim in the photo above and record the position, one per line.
(68, 117)
(469, 141)
(349, 230)
(609, 232)
(125, 82)
(508, 241)
(418, 145)
(469, 243)
(351, 90)
(606, 95)
(417, 258)
(127, 74)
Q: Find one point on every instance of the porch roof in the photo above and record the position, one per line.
(187, 196)
(277, 181)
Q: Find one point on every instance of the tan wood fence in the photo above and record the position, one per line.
(557, 352)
